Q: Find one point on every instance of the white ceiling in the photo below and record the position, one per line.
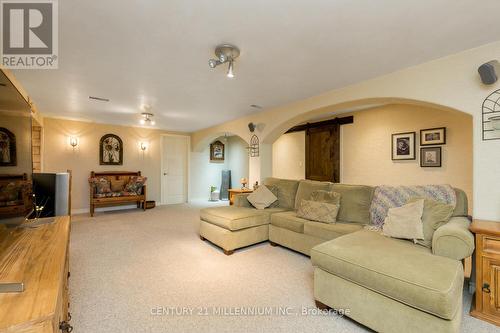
(156, 52)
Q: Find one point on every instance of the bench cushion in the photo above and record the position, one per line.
(237, 218)
(328, 231)
(398, 269)
(288, 220)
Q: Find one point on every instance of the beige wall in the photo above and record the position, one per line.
(60, 156)
(289, 153)
(366, 149)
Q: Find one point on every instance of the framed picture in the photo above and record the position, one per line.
(217, 151)
(403, 146)
(430, 157)
(7, 148)
(111, 150)
(433, 136)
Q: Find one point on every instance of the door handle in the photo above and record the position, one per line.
(165, 173)
(486, 288)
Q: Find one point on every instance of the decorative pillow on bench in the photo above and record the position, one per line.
(135, 184)
(102, 184)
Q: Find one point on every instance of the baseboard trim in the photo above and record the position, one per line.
(101, 209)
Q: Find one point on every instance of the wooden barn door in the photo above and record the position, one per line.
(323, 153)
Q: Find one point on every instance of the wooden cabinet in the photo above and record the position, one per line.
(487, 297)
(38, 257)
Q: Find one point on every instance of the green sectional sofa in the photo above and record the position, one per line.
(387, 284)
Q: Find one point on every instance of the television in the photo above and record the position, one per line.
(51, 191)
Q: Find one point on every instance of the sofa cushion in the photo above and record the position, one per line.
(435, 214)
(355, 201)
(237, 218)
(326, 196)
(330, 231)
(287, 189)
(461, 208)
(398, 269)
(288, 220)
(306, 189)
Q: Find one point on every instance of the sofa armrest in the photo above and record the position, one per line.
(240, 200)
(454, 240)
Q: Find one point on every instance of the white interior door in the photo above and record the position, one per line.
(174, 169)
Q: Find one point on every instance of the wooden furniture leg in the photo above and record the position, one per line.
(228, 253)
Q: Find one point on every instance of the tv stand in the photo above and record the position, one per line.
(37, 257)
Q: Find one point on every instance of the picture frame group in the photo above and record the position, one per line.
(403, 146)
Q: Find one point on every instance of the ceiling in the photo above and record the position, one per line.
(156, 52)
(11, 101)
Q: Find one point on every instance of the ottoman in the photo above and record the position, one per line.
(387, 284)
(234, 227)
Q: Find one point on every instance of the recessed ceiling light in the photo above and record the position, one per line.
(99, 98)
(255, 106)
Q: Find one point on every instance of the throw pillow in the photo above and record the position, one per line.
(435, 214)
(135, 184)
(262, 197)
(318, 211)
(405, 221)
(117, 185)
(274, 190)
(326, 196)
(102, 184)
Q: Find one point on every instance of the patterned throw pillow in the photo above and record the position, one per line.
(318, 211)
(102, 184)
(326, 196)
(135, 184)
(274, 190)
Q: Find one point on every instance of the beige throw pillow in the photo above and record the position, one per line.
(262, 197)
(318, 211)
(405, 221)
(435, 214)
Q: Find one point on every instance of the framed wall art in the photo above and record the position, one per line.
(403, 146)
(8, 155)
(430, 157)
(216, 151)
(433, 136)
(111, 150)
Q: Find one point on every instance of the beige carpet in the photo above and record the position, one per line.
(127, 264)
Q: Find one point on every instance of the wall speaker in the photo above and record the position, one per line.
(488, 73)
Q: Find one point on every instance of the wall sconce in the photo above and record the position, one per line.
(143, 146)
(73, 142)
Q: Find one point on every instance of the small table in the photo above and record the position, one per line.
(234, 191)
(487, 296)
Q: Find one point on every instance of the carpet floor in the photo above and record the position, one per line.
(135, 271)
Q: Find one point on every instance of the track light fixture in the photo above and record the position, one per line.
(225, 53)
(147, 116)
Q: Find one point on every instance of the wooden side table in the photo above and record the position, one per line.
(486, 305)
(234, 191)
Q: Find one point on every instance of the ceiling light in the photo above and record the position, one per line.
(147, 118)
(225, 53)
(230, 73)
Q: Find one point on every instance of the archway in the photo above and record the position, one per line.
(366, 146)
(206, 173)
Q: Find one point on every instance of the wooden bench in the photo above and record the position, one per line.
(22, 205)
(96, 201)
